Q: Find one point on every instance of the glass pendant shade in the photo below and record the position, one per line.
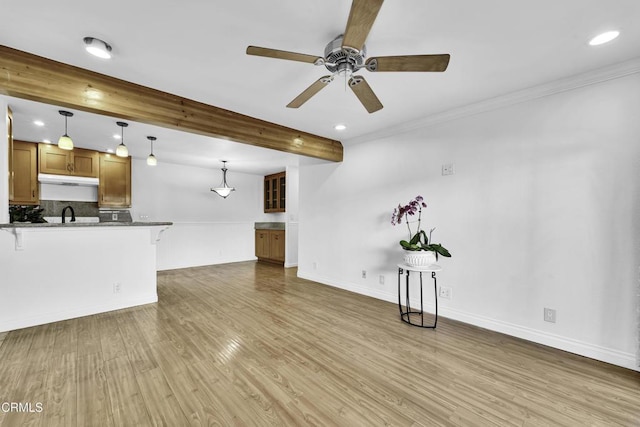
(65, 141)
(151, 160)
(122, 150)
(223, 190)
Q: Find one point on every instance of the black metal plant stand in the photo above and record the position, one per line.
(406, 312)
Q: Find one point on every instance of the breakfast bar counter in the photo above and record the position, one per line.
(53, 272)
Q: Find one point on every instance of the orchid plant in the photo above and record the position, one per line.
(418, 241)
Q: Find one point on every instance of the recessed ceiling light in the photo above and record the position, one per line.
(38, 122)
(340, 127)
(97, 47)
(46, 141)
(604, 38)
(116, 136)
(109, 150)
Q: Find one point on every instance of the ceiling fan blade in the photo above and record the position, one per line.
(408, 63)
(310, 91)
(361, 18)
(363, 91)
(283, 54)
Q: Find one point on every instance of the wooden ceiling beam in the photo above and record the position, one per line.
(27, 76)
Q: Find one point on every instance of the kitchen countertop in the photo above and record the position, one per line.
(83, 224)
(269, 226)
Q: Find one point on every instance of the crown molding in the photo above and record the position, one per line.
(577, 81)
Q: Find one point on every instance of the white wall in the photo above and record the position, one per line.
(4, 164)
(207, 228)
(543, 211)
(291, 222)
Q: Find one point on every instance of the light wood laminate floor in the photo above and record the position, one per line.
(251, 344)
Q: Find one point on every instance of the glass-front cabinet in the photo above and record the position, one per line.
(275, 192)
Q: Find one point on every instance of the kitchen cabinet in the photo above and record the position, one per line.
(76, 162)
(114, 189)
(24, 173)
(270, 245)
(275, 192)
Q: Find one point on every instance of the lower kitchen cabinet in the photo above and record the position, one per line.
(270, 245)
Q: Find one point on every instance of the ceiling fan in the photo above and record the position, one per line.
(345, 55)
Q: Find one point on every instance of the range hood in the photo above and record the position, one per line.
(45, 178)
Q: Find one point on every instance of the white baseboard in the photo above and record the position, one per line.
(57, 316)
(593, 351)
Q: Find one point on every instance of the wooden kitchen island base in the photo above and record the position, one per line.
(58, 272)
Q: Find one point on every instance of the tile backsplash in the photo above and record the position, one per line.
(55, 207)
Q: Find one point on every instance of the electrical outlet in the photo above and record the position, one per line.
(448, 169)
(549, 315)
(444, 292)
(364, 274)
(114, 216)
(381, 279)
(116, 288)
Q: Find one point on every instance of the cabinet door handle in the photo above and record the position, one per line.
(68, 167)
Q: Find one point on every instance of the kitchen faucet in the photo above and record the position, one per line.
(73, 214)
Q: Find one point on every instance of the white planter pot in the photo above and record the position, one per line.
(419, 258)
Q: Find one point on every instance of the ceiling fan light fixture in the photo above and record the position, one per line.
(151, 160)
(97, 47)
(345, 55)
(122, 150)
(223, 190)
(603, 38)
(65, 142)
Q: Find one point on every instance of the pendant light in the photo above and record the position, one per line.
(122, 150)
(151, 160)
(223, 190)
(65, 141)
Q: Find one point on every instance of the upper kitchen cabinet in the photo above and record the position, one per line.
(77, 162)
(24, 173)
(275, 192)
(114, 189)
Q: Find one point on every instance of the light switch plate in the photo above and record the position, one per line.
(448, 169)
